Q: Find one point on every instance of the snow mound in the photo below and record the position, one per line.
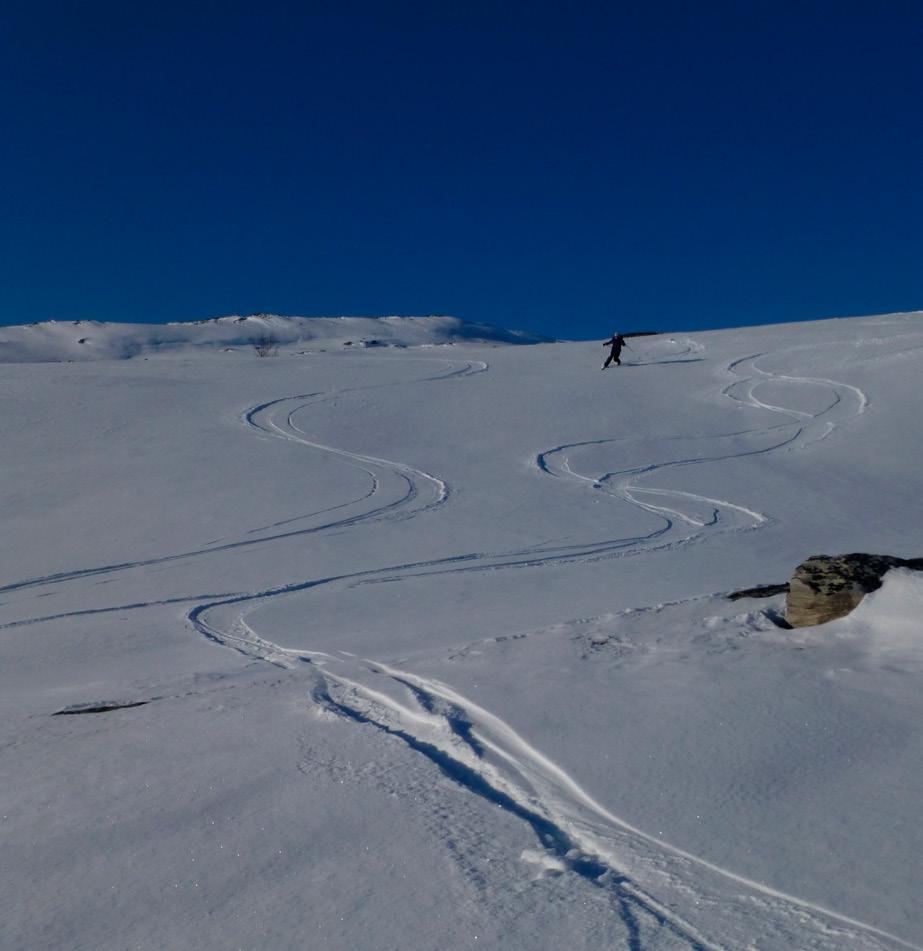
(887, 622)
(55, 341)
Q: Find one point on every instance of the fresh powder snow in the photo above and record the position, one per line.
(378, 633)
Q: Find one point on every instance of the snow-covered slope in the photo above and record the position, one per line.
(428, 648)
(56, 341)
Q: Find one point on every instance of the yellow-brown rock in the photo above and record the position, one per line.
(825, 587)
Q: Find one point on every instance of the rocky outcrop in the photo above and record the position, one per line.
(825, 587)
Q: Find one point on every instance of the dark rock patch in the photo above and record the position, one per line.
(98, 708)
(760, 591)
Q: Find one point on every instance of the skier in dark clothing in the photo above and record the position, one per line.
(616, 341)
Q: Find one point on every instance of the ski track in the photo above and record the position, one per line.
(483, 754)
(468, 744)
(262, 419)
(846, 403)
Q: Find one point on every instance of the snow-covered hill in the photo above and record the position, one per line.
(378, 647)
(56, 341)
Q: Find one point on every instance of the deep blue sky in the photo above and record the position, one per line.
(568, 168)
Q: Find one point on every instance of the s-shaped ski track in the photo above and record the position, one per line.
(485, 755)
(399, 498)
(701, 513)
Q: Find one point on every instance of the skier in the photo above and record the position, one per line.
(616, 341)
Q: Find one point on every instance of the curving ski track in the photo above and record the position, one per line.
(720, 515)
(483, 754)
(262, 418)
(467, 743)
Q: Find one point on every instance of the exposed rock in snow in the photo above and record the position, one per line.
(825, 587)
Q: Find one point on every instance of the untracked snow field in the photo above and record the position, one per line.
(427, 646)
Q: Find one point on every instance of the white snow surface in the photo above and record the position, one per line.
(427, 646)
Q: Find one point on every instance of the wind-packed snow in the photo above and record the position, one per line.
(427, 645)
